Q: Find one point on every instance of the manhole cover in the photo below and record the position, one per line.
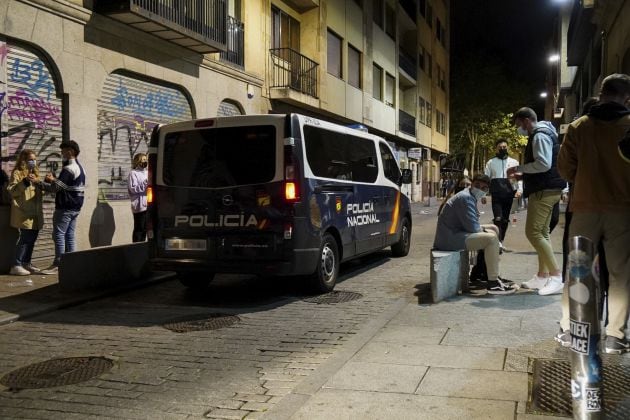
(202, 322)
(56, 372)
(334, 297)
(551, 388)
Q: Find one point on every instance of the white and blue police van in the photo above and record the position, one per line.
(271, 195)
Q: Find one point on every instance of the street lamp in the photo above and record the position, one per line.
(543, 94)
(554, 58)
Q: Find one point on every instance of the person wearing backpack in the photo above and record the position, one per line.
(542, 186)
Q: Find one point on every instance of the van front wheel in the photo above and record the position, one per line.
(325, 276)
(401, 248)
(195, 280)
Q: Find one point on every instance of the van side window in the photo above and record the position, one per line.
(390, 167)
(340, 156)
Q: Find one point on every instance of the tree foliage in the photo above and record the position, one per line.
(483, 97)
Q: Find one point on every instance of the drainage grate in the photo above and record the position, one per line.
(56, 372)
(204, 322)
(551, 388)
(334, 297)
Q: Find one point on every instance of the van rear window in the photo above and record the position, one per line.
(220, 157)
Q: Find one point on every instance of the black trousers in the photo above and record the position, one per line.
(555, 217)
(139, 226)
(501, 207)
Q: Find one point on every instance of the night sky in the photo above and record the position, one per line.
(516, 32)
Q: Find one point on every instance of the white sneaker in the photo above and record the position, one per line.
(18, 270)
(554, 286)
(52, 270)
(535, 282)
(32, 269)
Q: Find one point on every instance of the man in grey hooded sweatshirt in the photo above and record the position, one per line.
(543, 186)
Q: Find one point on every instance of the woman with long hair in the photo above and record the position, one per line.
(27, 212)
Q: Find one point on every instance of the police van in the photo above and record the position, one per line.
(271, 195)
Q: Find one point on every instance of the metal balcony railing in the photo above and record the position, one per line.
(290, 69)
(194, 24)
(235, 53)
(408, 64)
(406, 123)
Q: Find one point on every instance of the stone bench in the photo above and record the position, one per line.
(104, 267)
(449, 273)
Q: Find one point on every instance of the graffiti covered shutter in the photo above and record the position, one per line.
(31, 118)
(128, 109)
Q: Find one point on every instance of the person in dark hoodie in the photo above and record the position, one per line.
(542, 185)
(600, 199)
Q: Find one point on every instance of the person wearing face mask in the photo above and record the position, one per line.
(458, 228)
(137, 182)
(27, 213)
(502, 188)
(70, 190)
(542, 186)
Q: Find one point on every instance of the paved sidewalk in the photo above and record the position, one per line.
(469, 357)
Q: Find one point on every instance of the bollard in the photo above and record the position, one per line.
(586, 364)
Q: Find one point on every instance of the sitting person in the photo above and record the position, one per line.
(458, 228)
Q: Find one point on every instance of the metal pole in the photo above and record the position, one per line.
(586, 364)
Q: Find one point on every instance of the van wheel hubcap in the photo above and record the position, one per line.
(328, 262)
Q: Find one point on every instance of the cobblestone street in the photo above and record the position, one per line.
(234, 372)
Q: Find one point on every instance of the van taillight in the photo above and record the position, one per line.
(149, 195)
(290, 191)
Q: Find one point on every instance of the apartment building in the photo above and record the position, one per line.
(105, 72)
(592, 40)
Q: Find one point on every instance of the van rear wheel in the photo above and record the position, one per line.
(401, 248)
(195, 280)
(325, 276)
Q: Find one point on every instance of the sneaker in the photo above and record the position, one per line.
(616, 345)
(18, 270)
(53, 269)
(497, 287)
(31, 268)
(507, 282)
(554, 286)
(535, 282)
(564, 338)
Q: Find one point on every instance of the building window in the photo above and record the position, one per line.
(334, 55)
(441, 80)
(440, 32)
(429, 115)
(440, 122)
(390, 21)
(354, 67)
(285, 30)
(390, 86)
(421, 58)
(377, 82)
(422, 106)
(429, 16)
(377, 13)
(422, 7)
(429, 70)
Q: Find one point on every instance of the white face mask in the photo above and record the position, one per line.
(522, 131)
(477, 193)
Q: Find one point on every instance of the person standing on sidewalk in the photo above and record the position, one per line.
(542, 186)
(458, 228)
(502, 189)
(70, 189)
(27, 211)
(600, 199)
(137, 182)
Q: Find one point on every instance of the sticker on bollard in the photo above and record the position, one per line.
(580, 336)
(593, 399)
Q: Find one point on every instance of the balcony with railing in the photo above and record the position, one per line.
(197, 25)
(406, 123)
(235, 53)
(407, 63)
(290, 69)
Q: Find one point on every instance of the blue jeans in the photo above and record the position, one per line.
(64, 225)
(24, 246)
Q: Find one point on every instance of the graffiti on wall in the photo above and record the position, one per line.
(30, 112)
(128, 110)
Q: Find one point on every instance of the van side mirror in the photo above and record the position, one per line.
(405, 178)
